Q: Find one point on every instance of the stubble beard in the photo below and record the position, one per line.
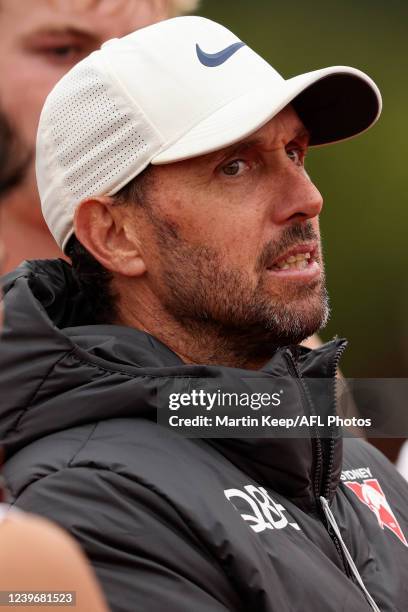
(212, 301)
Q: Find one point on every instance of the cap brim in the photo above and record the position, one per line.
(334, 104)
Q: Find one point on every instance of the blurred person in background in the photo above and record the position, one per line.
(35, 555)
(193, 230)
(38, 557)
(39, 41)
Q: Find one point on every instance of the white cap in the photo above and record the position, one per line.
(171, 91)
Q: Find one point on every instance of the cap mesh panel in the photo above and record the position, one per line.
(94, 141)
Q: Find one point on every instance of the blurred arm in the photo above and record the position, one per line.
(35, 555)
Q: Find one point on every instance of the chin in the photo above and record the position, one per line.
(295, 321)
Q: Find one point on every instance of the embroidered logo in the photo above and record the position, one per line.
(371, 494)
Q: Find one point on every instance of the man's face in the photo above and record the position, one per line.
(40, 40)
(232, 239)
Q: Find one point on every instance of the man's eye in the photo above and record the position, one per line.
(64, 50)
(296, 155)
(235, 167)
(61, 54)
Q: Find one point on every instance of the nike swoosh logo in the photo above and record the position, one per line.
(216, 59)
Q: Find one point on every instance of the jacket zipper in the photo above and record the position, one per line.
(333, 372)
(326, 484)
(322, 481)
(308, 404)
(320, 487)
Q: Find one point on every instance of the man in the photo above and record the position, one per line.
(35, 555)
(171, 169)
(40, 40)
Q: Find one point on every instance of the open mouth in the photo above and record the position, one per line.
(298, 258)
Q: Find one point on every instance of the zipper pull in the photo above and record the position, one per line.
(332, 522)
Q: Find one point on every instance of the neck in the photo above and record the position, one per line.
(197, 342)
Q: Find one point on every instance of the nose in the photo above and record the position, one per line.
(300, 198)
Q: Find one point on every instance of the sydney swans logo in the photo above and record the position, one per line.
(371, 494)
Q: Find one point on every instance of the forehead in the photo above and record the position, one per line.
(280, 130)
(102, 19)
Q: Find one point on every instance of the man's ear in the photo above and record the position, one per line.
(107, 232)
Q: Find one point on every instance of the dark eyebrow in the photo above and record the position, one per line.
(55, 31)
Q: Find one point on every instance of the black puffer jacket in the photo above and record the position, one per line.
(180, 524)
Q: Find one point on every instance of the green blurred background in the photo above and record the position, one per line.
(363, 181)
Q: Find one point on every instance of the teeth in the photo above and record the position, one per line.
(298, 262)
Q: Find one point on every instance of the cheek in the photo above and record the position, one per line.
(243, 225)
(236, 235)
(237, 243)
(21, 74)
(242, 232)
(207, 215)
